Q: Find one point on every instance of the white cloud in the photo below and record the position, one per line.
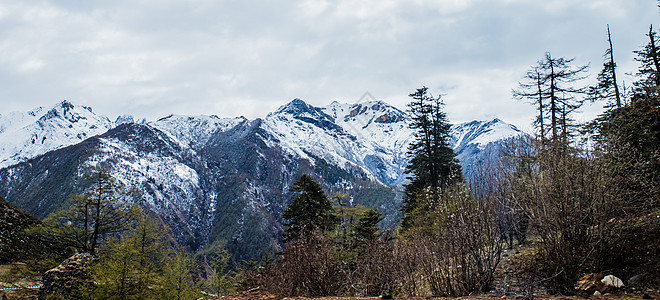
(152, 58)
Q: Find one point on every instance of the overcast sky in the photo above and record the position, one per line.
(230, 58)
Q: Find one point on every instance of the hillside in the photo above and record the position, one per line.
(18, 246)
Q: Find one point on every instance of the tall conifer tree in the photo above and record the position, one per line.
(607, 88)
(433, 163)
(649, 57)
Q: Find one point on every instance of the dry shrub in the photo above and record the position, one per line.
(458, 249)
(374, 271)
(580, 215)
(307, 268)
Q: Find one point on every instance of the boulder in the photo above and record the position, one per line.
(638, 280)
(64, 280)
(612, 281)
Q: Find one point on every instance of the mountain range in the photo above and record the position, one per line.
(224, 181)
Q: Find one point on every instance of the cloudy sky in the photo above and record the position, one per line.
(151, 58)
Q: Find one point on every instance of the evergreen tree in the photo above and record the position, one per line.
(433, 163)
(347, 216)
(310, 209)
(607, 88)
(649, 71)
(366, 228)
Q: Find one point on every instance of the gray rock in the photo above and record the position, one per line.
(64, 280)
(637, 280)
(613, 281)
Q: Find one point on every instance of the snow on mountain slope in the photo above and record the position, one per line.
(479, 143)
(381, 128)
(309, 131)
(227, 179)
(372, 135)
(27, 135)
(147, 159)
(481, 133)
(194, 131)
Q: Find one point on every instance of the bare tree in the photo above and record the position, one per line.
(551, 85)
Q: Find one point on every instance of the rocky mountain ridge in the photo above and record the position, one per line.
(226, 180)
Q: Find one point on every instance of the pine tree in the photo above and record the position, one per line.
(649, 72)
(366, 228)
(607, 88)
(310, 209)
(433, 163)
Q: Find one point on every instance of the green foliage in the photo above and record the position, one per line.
(433, 162)
(628, 142)
(346, 214)
(365, 230)
(649, 71)
(591, 209)
(222, 278)
(178, 280)
(310, 209)
(131, 267)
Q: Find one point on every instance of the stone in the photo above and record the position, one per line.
(637, 280)
(612, 281)
(64, 279)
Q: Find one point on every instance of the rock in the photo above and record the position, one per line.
(612, 281)
(597, 294)
(637, 280)
(64, 279)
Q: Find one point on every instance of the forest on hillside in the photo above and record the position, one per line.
(570, 202)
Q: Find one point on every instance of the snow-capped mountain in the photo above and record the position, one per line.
(194, 131)
(226, 180)
(479, 143)
(383, 130)
(30, 134)
(481, 133)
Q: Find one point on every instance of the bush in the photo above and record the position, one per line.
(307, 268)
(458, 249)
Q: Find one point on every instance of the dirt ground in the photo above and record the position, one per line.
(264, 295)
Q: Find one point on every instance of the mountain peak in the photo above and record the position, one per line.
(29, 134)
(482, 132)
(65, 104)
(296, 107)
